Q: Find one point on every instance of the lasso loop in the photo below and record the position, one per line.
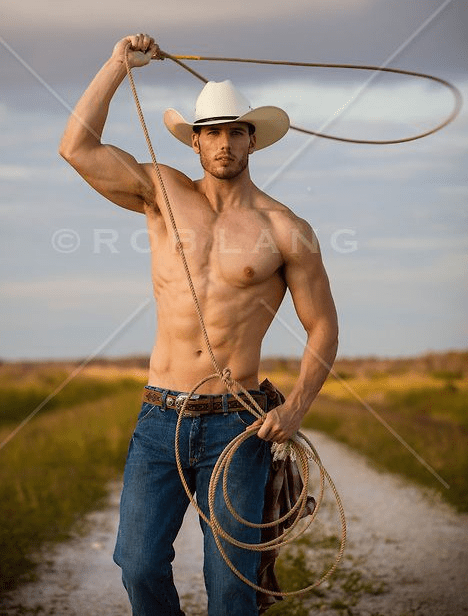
(300, 445)
(458, 100)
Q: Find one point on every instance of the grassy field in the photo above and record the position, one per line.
(57, 467)
(426, 402)
(423, 402)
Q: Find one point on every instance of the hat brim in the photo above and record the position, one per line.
(271, 124)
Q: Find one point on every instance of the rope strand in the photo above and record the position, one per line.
(458, 100)
(171, 215)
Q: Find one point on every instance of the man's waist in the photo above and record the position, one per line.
(176, 365)
(201, 404)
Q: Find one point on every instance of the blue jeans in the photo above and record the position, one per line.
(154, 502)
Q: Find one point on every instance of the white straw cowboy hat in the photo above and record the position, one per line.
(221, 102)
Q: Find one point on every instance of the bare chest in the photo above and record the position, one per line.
(235, 248)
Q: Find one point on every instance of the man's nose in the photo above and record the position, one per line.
(224, 140)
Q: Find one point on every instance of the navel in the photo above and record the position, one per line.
(249, 271)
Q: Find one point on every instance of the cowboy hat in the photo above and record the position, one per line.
(220, 103)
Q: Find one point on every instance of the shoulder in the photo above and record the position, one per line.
(165, 181)
(168, 174)
(293, 235)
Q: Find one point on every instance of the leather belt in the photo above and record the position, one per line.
(202, 405)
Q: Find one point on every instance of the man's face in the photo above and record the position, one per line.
(224, 149)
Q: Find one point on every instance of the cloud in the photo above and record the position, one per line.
(432, 274)
(407, 99)
(308, 100)
(407, 204)
(117, 13)
(14, 172)
(76, 291)
(417, 243)
(66, 42)
(458, 192)
(30, 173)
(397, 170)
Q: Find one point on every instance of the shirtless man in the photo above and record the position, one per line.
(244, 249)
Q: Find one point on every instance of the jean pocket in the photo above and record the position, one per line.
(244, 417)
(146, 410)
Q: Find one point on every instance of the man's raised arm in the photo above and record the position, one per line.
(111, 171)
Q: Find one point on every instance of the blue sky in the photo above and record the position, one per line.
(392, 220)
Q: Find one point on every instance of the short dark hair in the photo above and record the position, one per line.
(197, 128)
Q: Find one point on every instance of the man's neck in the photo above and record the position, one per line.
(225, 194)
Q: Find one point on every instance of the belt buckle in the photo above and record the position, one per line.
(179, 401)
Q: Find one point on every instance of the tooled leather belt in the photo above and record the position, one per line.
(202, 405)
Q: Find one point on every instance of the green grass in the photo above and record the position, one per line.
(428, 409)
(18, 401)
(57, 467)
(448, 404)
(432, 421)
(303, 562)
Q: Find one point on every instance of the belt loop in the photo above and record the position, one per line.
(225, 404)
(164, 393)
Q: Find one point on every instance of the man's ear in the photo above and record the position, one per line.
(253, 143)
(196, 142)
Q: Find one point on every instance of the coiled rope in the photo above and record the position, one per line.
(458, 100)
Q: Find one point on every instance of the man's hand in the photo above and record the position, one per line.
(142, 50)
(279, 425)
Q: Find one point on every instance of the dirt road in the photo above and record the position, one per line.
(407, 555)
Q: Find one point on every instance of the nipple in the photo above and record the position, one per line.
(249, 271)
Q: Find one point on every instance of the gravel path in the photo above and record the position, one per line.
(398, 536)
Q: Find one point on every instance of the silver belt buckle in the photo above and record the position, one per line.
(179, 402)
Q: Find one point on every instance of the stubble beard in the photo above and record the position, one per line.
(233, 170)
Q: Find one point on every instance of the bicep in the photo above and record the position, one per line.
(309, 285)
(116, 175)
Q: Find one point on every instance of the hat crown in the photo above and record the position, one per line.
(220, 100)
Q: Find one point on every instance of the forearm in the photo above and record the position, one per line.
(285, 420)
(317, 360)
(85, 126)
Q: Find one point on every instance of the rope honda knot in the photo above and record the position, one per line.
(226, 377)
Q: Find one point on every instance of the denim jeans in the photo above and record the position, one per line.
(154, 502)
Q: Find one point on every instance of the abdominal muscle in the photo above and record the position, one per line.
(184, 365)
(236, 321)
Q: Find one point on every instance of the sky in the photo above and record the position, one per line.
(392, 220)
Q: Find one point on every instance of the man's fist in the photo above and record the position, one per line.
(142, 50)
(279, 424)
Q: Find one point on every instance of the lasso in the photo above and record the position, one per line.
(458, 100)
(299, 445)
